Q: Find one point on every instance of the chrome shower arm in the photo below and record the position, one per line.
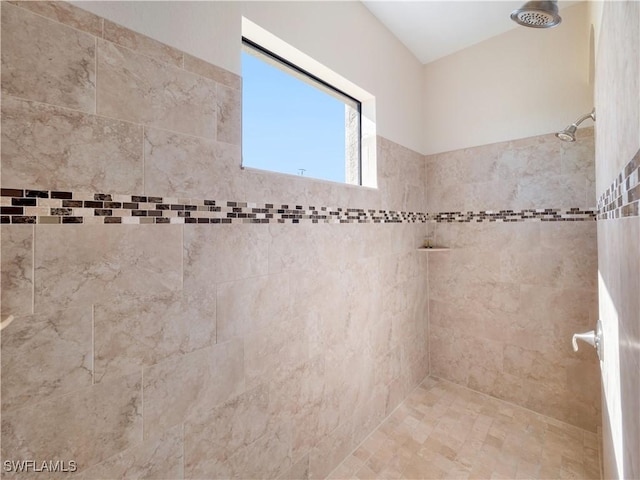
(591, 115)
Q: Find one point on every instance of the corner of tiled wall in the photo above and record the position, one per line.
(175, 315)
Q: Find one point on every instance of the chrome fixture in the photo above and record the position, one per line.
(537, 14)
(569, 133)
(593, 338)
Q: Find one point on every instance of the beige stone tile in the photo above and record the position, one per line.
(212, 439)
(492, 195)
(269, 187)
(66, 13)
(141, 44)
(330, 451)
(46, 147)
(45, 356)
(46, 61)
(217, 255)
(365, 473)
(274, 351)
(160, 457)
(299, 248)
(187, 387)
(347, 469)
(140, 89)
(87, 426)
(229, 121)
(218, 74)
(142, 331)
(551, 191)
(299, 471)
(325, 320)
(578, 158)
(267, 457)
(16, 243)
(138, 260)
(180, 165)
(541, 158)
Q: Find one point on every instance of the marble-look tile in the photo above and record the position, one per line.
(369, 414)
(299, 471)
(540, 158)
(158, 458)
(551, 191)
(229, 115)
(136, 259)
(446, 198)
(247, 305)
(330, 451)
(212, 439)
(140, 89)
(88, 426)
(16, 244)
(185, 166)
(45, 356)
(630, 401)
(218, 74)
(267, 457)
(578, 158)
(325, 320)
(46, 147)
(299, 397)
(279, 189)
(66, 13)
(139, 331)
(141, 44)
(273, 351)
(401, 177)
(217, 255)
(47, 61)
(189, 386)
(300, 248)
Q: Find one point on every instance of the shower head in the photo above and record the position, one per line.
(537, 14)
(569, 133)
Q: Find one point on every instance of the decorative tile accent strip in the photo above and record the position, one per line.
(55, 207)
(540, 214)
(622, 198)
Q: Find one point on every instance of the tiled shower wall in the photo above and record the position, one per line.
(196, 350)
(618, 169)
(505, 300)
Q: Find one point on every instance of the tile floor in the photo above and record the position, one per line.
(443, 430)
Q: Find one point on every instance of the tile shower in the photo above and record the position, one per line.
(176, 316)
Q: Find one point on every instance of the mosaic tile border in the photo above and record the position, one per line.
(542, 214)
(24, 206)
(622, 198)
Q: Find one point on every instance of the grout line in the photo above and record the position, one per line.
(131, 122)
(377, 426)
(142, 399)
(95, 64)
(33, 270)
(513, 405)
(144, 161)
(93, 344)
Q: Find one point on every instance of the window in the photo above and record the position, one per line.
(295, 123)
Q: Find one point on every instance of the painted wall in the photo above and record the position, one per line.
(257, 347)
(359, 47)
(521, 83)
(617, 98)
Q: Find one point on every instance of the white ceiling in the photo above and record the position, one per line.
(437, 28)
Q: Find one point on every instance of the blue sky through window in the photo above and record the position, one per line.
(288, 125)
